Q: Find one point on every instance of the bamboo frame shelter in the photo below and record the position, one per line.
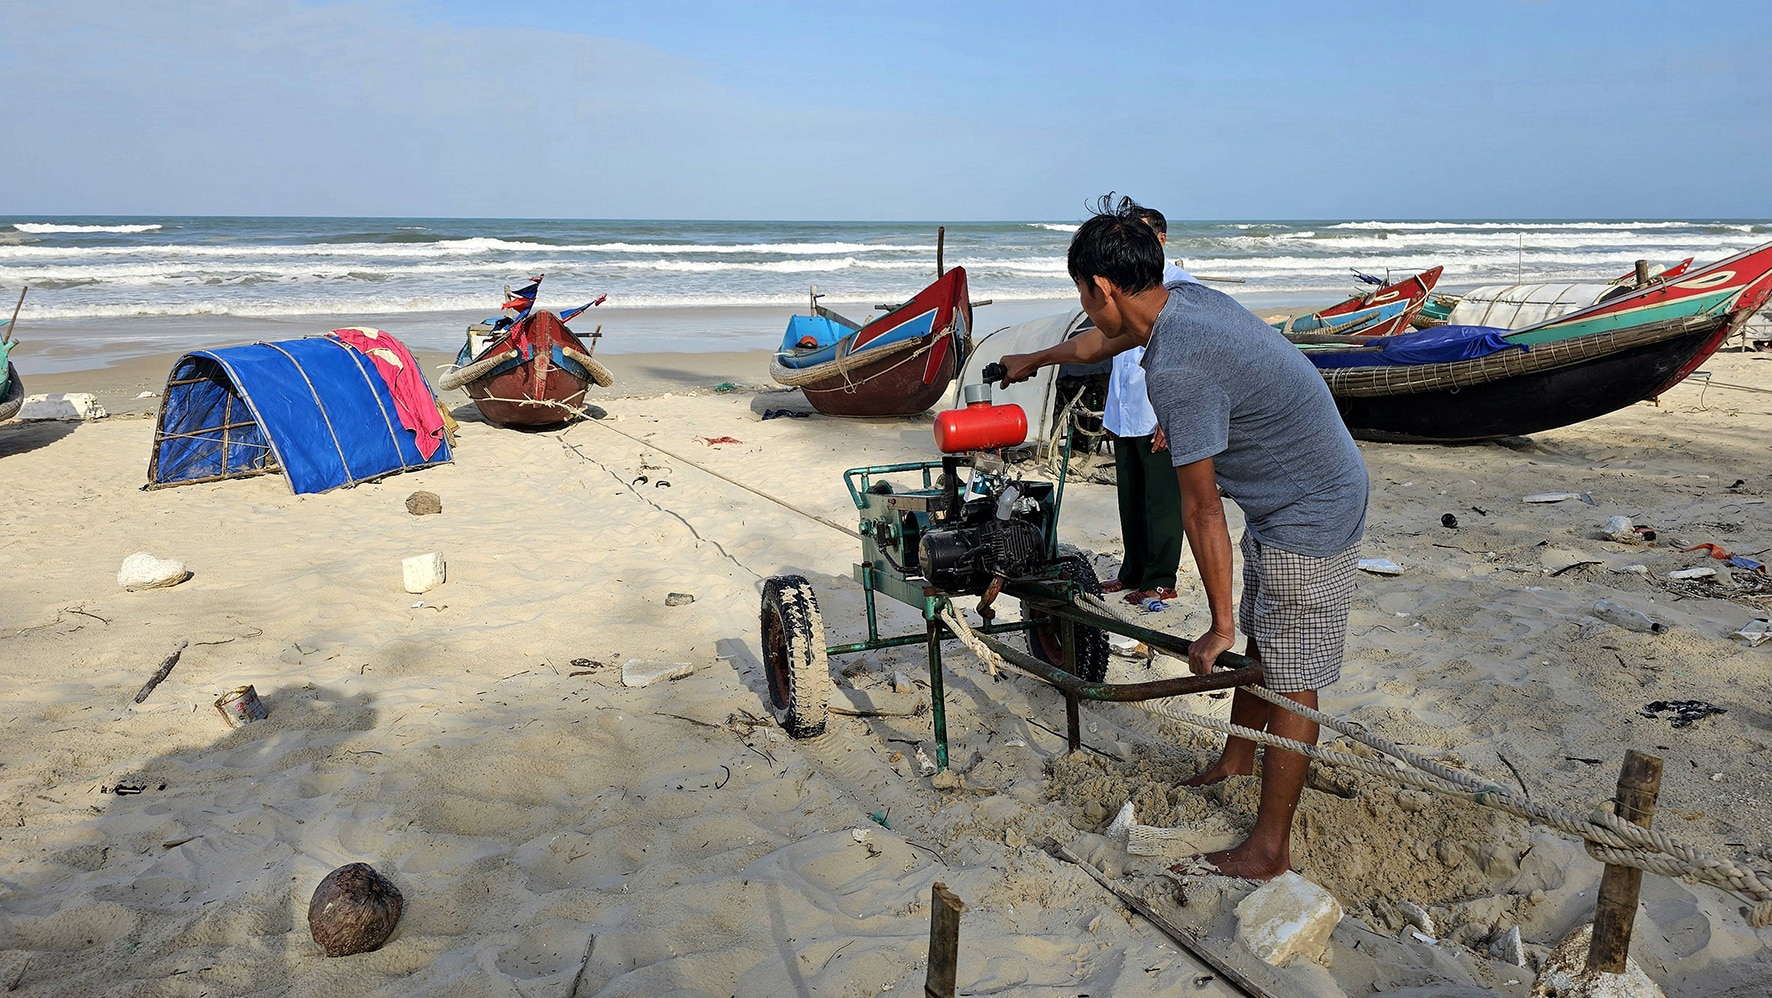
(314, 409)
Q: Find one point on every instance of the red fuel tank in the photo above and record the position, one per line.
(980, 426)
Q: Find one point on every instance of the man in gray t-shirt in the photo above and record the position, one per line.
(1245, 411)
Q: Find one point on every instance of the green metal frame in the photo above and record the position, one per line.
(1053, 596)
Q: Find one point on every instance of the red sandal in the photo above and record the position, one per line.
(1140, 595)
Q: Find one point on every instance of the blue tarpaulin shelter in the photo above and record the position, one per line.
(315, 409)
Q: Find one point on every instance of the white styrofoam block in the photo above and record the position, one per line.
(73, 407)
(636, 672)
(1286, 916)
(142, 570)
(424, 572)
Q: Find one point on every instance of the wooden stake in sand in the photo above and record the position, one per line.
(161, 673)
(1638, 785)
(944, 941)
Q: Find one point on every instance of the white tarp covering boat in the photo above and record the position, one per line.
(1515, 306)
(1035, 395)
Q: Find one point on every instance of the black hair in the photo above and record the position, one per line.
(1153, 218)
(1118, 244)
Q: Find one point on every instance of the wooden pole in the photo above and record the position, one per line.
(1639, 782)
(944, 941)
(1642, 272)
(14, 321)
(941, 238)
(1187, 940)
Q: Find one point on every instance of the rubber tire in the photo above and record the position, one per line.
(794, 663)
(1092, 643)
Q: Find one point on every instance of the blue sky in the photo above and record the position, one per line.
(903, 110)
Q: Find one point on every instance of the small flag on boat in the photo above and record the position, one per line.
(523, 299)
(569, 313)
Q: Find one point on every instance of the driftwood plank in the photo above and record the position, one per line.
(161, 673)
(944, 941)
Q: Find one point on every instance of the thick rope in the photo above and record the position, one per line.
(783, 503)
(963, 631)
(1609, 839)
(456, 377)
(597, 371)
(801, 377)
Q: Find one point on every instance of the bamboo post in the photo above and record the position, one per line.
(1639, 782)
(1642, 272)
(944, 941)
(941, 238)
(13, 322)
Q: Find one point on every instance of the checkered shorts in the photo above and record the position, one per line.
(1295, 608)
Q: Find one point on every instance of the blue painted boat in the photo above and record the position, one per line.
(896, 365)
(1381, 312)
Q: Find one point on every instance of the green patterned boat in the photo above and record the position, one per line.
(1571, 368)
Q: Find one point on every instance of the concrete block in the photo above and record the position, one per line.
(424, 572)
(142, 570)
(73, 407)
(637, 672)
(1287, 916)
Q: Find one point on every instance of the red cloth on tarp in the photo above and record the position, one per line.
(412, 395)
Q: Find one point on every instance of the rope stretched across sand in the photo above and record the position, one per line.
(1609, 838)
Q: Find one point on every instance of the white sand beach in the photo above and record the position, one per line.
(555, 832)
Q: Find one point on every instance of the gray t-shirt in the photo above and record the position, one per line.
(1228, 386)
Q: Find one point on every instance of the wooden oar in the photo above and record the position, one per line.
(12, 323)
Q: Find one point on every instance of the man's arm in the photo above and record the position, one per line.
(1209, 537)
(1087, 347)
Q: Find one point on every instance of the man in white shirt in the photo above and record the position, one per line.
(1150, 498)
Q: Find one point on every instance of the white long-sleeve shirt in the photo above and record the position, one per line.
(1128, 412)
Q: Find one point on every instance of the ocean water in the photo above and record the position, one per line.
(124, 278)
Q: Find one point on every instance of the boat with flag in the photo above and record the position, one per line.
(898, 364)
(1383, 311)
(525, 367)
(1460, 383)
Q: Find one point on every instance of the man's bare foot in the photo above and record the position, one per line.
(1249, 863)
(1217, 774)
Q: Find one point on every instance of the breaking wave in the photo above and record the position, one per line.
(44, 228)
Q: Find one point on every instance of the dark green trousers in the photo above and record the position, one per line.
(1150, 514)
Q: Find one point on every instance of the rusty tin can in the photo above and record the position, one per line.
(241, 706)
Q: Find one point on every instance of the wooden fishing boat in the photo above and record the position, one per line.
(898, 364)
(12, 388)
(12, 394)
(1515, 306)
(1382, 311)
(527, 368)
(1434, 311)
(1564, 370)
